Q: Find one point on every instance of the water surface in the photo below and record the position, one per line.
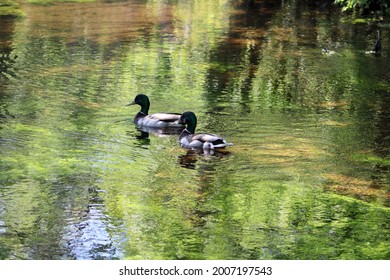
(290, 84)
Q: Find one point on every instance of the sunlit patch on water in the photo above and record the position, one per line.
(87, 235)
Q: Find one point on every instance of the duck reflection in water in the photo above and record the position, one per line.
(142, 137)
(144, 132)
(159, 131)
(191, 157)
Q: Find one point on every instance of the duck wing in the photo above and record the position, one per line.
(159, 120)
(210, 138)
(203, 141)
(165, 117)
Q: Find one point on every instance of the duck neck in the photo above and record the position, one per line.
(190, 127)
(139, 115)
(145, 107)
(184, 133)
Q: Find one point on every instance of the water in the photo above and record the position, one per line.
(307, 177)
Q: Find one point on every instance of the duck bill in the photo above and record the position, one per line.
(131, 103)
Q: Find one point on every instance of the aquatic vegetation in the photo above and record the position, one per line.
(10, 8)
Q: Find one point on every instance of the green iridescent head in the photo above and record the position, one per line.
(143, 101)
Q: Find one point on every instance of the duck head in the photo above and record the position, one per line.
(143, 101)
(189, 119)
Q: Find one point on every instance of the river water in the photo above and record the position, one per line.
(291, 84)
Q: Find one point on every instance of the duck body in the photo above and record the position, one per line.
(198, 141)
(157, 120)
(205, 141)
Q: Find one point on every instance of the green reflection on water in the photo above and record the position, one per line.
(307, 178)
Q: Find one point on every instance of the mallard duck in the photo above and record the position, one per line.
(191, 140)
(158, 120)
